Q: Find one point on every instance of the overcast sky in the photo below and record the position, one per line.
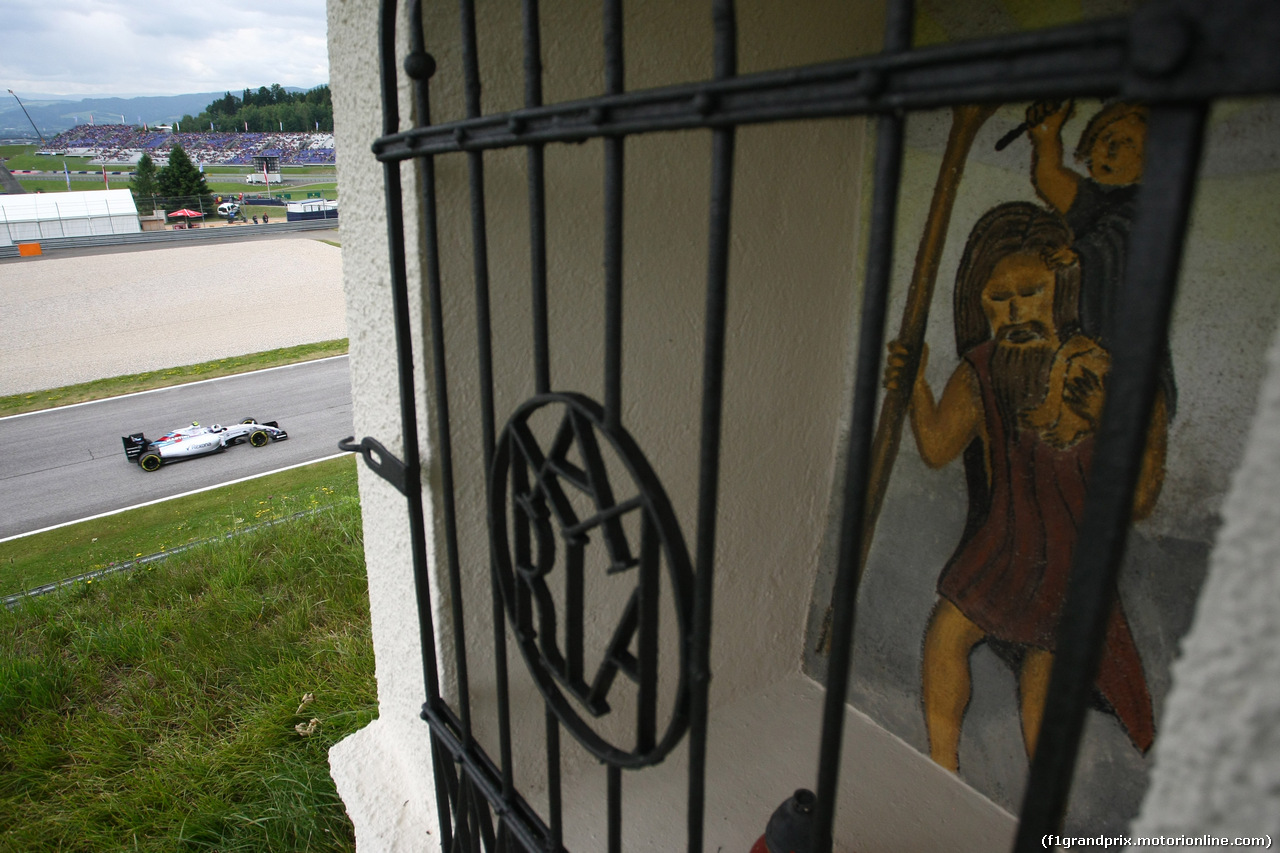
(88, 48)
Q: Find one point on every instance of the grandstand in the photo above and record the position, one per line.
(121, 143)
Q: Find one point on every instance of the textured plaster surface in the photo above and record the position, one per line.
(1217, 762)
(761, 748)
(383, 771)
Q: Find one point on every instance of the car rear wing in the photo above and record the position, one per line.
(134, 444)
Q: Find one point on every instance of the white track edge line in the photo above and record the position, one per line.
(170, 388)
(171, 497)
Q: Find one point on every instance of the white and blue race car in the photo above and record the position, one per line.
(196, 440)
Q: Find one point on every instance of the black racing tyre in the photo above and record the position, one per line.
(258, 438)
(249, 421)
(150, 461)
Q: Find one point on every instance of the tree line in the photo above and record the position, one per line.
(266, 110)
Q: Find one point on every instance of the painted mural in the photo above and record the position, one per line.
(1003, 386)
(1032, 314)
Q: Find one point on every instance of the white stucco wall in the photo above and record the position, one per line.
(382, 771)
(1217, 761)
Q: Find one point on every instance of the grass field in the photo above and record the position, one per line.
(24, 157)
(289, 171)
(16, 404)
(167, 709)
(119, 182)
(219, 178)
(103, 543)
(49, 185)
(299, 191)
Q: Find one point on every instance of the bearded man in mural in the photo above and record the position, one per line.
(1022, 406)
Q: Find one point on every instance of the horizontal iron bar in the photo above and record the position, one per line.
(604, 515)
(1083, 60)
(523, 822)
(1191, 50)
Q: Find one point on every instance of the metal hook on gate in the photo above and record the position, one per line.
(380, 460)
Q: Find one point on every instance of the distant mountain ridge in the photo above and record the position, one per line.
(54, 115)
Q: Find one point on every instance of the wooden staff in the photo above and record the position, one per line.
(965, 123)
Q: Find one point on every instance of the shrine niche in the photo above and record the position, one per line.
(1001, 397)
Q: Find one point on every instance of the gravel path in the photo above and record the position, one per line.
(73, 318)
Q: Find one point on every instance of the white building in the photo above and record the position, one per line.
(43, 216)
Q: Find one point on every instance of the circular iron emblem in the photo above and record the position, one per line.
(582, 530)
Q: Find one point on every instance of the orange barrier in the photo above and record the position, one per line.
(29, 250)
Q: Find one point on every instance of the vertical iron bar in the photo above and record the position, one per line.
(1145, 302)
(470, 817)
(459, 630)
(722, 151)
(404, 352)
(484, 821)
(574, 608)
(462, 833)
(408, 402)
(615, 808)
(537, 202)
(875, 300)
(613, 181)
(484, 348)
(647, 645)
(554, 806)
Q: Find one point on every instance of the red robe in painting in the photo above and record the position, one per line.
(1009, 576)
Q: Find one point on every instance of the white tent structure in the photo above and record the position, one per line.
(41, 216)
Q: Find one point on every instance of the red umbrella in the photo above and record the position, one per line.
(186, 212)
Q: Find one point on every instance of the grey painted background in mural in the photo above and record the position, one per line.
(1227, 309)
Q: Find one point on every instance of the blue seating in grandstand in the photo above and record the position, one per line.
(123, 142)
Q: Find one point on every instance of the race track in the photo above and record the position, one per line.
(65, 464)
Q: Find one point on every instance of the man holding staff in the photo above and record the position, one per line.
(1027, 394)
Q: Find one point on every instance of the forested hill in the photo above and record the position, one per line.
(269, 109)
(54, 115)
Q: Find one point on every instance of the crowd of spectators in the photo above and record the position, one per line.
(120, 143)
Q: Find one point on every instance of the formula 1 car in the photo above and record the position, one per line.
(196, 440)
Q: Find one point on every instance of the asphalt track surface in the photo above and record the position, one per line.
(66, 464)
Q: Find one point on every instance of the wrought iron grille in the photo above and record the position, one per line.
(1175, 56)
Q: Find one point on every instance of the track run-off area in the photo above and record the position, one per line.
(81, 315)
